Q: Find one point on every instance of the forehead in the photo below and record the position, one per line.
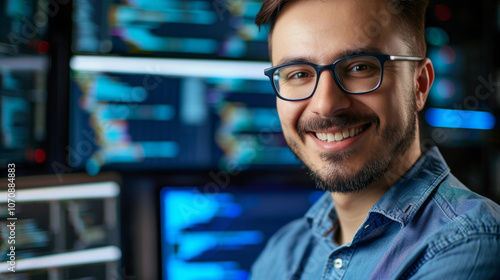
(325, 30)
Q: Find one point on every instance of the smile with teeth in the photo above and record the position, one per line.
(338, 136)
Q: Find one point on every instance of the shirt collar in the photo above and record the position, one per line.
(400, 202)
(319, 216)
(406, 196)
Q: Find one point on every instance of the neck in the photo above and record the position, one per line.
(352, 208)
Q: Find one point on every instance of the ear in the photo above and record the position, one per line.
(424, 76)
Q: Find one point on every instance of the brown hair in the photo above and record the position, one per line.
(409, 13)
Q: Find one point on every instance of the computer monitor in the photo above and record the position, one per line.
(130, 113)
(24, 68)
(217, 233)
(209, 29)
(52, 229)
(171, 85)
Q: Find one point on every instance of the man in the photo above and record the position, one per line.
(351, 77)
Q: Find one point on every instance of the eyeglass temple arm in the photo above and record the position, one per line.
(400, 57)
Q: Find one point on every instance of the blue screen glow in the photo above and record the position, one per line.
(459, 119)
(218, 236)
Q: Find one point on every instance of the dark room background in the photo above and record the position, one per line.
(146, 143)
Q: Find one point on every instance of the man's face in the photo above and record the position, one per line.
(377, 128)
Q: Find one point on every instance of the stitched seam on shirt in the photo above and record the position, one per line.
(439, 200)
(427, 193)
(430, 253)
(435, 179)
(375, 224)
(440, 246)
(462, 223)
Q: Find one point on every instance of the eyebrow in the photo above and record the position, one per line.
(350, 52)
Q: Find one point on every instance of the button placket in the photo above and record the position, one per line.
(337, 263)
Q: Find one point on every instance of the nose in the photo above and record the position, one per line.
(328, 99)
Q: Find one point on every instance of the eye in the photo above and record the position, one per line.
(298, 75)
(359, 67)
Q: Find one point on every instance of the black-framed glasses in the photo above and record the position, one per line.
(357, 74)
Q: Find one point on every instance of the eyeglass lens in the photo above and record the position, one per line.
(355, 75)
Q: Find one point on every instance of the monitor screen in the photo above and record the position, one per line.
(218, 235)
(23, 26)
(166, 28)
(23, 109)
(52, 229)
(24, 67)
(156, 114)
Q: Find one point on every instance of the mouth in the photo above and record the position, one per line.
(340, 135)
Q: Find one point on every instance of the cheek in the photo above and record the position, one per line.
(383, 103)
(389, 102)
(389, 111)
(289, 113)
(399, 95)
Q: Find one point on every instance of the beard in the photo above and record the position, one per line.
(333, 175)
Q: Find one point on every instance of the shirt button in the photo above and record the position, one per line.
(337, 263)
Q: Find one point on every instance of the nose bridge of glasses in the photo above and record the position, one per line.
(329, 96)
(331, 69)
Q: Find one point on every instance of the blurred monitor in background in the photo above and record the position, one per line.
(63, 230)
(166, 28)
(189, 114)
(24, 68)
(171, 85)
(218, 236)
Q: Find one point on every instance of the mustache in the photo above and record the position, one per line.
(342, 120)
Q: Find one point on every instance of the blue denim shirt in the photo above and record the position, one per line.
(427, 226)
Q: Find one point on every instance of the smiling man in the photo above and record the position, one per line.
(351, 77)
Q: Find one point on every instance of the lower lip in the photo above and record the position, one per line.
(337, 146)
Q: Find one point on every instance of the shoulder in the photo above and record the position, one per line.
(468, 210)
(468, 236)
(283, 251)
(458, 256)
